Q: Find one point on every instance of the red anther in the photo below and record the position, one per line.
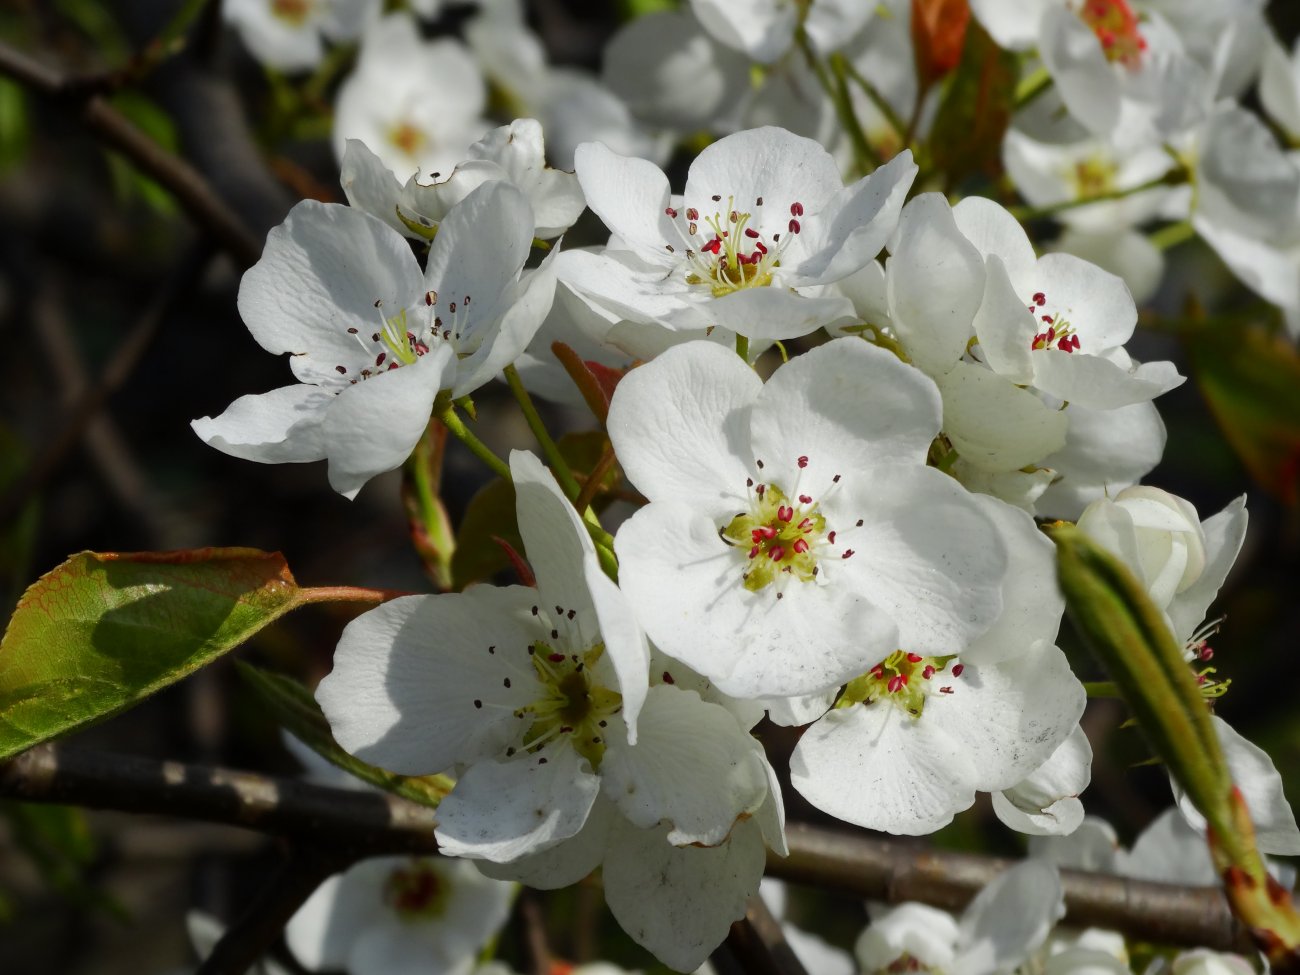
(878, 671)
(1051, 333)
(1048, 319)
(379, 359)
(945, 690)
(830, 537)
(914, 658)
(760, 489)
(1207, 652)
(785, 512)
(805, 525)
(800, 546)
(796, 209)
(392, 366)
(668, 678)
(1200, 679)
(751, 233)
(957, 669)
(671, 212)
(896, 683)
(928, 672)
(692, 213)
(763, 533)
(762, 249)
(794, 226)
(713, 246)
(848, 554)
(805, 499)
(555, 658)
(753, 552)
(1040, 299)
(803, 462)
(776, 553)
(342, 371)
(733, 216)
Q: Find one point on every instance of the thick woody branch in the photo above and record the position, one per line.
(182, 180)
(356, 824)
(894, 871)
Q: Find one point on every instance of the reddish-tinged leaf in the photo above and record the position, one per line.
(1251, 381)
(595, 381)
(976, 109)
(104, 630)
(938, 34)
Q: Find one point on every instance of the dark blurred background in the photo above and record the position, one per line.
(96, 261)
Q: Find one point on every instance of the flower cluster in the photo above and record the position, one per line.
(838, 535)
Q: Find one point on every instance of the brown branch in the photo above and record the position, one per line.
(111, 127)
(262, 921)
(896, 871)
(353, 822)
(758, 946)
(357, 823)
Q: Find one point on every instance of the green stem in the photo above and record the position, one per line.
(1102, 688)
(1035, 213)
(1172, 235)
(838, 94)
(1031, 86)
(871, 91)
(742, 347)
(563, 473)
(456, 427)
(431, 528)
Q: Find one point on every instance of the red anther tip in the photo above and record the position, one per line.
(751, 233)
(555, 658)
(914, 658)
(1040, 299)
(800, 546)
(796, 209)
(794, 226)
(785, 512)
(805, 499)
(928, 672)
(957, 669)
(803, 462)
(776, 553)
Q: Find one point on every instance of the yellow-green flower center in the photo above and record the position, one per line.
(416, 892)
(292, 12)
(904, 679)
(571, 703)
(733, 254)
(780, 537)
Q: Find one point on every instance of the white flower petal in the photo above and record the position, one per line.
(995, 232)
(320, 934)
(321, 273)
(406, 675)
(1224, 534)
(935, 280)
(767, 314)
(926, 556)
(993, 424)
(847, 402)
(555, 540)
(502, 810)
(1093, 382)
(1254, 773)
(629, 195)
(692, 767)
(284, 426)
(679, 902)
(1046, 801)
(1105, 452)
(1004, 325)
(566, 862)
(686, 585)
(1097, 303)
(877, 767)
(1171, 851)
(373, 426)
(680, 427)
(1009, 919)
(851, 229)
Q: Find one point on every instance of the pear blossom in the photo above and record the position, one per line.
(1226, 37)
(678, 902)
(542, 697)
(1180, 560)
(1004, 927)
(910, 741)
(792, 525)
(394, 915)
(513, 154)
(289, 35)
(1279, 85)
(373, 338)
(765, 219)
(1046, 802)
(764, 29)
(416, 104)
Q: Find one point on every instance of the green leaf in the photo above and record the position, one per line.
(976, 109)
(1250, 378)
(296, 709)
(103, 631)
